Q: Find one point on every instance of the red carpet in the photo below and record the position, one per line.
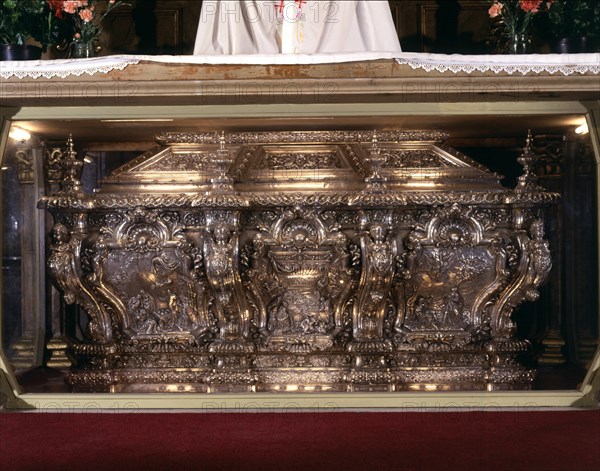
(557, 440)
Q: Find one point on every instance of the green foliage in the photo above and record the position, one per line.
(574, 18)
(24, 19)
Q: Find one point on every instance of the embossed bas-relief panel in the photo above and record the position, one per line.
(300, 277)
(309, 261)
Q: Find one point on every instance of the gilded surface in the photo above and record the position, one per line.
(309, 261)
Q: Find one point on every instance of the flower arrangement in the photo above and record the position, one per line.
(21, 20)
(84, 17)
(574, 18)
(515, 17)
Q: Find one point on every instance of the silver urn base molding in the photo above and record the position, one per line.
(298, 262)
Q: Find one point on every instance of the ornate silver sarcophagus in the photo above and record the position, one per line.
(299, 261)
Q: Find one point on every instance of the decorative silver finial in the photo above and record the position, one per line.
(375, 182)
(223, 160)
(72, 169)
(374, 141)
(528, 180)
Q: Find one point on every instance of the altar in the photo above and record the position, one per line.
(233, 233)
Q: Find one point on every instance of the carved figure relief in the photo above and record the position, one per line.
(374, 291)
(149, 272)
(448, 263)
(300, 280)
(25, 165)
(532, 268)
(221, 251)
(65, 268)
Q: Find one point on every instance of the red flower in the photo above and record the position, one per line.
(57, 7)
(532, 6)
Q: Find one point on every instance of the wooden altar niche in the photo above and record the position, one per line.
(299, 261)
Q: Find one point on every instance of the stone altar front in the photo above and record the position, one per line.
(299, 261)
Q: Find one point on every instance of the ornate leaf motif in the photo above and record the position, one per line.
(299, 137)
(412, 159)
(300, 161)
(181, 162)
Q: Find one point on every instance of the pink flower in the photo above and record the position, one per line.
(86, 15)
(77, 36)
(532, 6)
(70, 6)
(495, 10)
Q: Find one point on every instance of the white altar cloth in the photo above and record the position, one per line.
(565, 64)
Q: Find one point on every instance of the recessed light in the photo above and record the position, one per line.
(19, 134)
(583, 129)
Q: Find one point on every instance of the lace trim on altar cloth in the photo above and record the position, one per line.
(566, 64)
(65, 67)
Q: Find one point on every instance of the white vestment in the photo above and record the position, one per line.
(290, 26)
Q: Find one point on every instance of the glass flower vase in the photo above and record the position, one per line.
(518, 43)
(83, 50)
